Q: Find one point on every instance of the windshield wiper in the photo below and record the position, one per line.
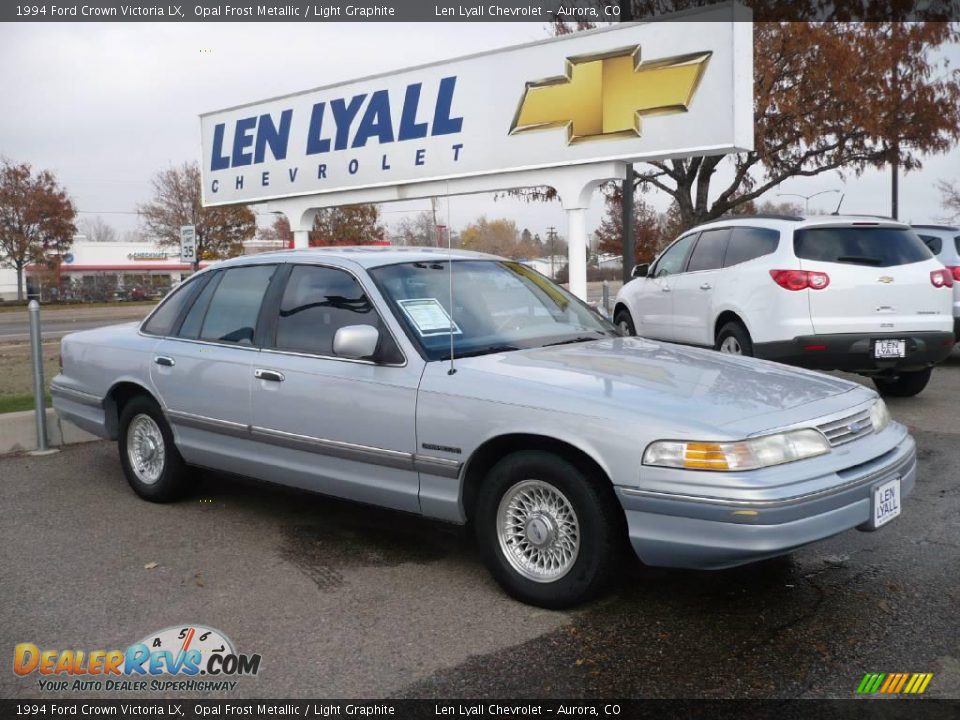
(482, 351)
(571, 341)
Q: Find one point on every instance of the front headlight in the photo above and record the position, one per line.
(740, 455)
(879, 415)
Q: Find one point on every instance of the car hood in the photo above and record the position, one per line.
(665, 381)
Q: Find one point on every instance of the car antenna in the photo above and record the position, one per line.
(837, 211)
(452, 369)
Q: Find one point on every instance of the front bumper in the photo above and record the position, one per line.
(709, 533)
(853, 352)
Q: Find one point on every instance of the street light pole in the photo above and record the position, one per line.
(806, 198)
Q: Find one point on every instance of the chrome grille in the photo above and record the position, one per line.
(848, 428)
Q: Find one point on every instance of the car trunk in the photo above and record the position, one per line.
(879, 280)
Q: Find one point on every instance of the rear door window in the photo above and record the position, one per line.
(235, 305)
(867, 246)
(165, 317)
(749, 243)
(710, 249)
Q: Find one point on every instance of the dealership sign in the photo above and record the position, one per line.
(629, 92)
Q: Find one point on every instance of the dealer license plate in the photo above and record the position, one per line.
(890, 349)
(886, 502)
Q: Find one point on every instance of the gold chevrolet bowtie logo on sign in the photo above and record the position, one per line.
(603, 96)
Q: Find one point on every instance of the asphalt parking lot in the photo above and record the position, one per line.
(349, 601)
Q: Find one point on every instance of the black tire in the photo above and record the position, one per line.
(624, 322)
(172, 479)
(906, 384)
(735, 331)
(598, 516)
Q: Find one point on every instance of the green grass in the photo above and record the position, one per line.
(18, 403)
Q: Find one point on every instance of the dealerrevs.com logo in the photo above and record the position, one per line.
(176, 659)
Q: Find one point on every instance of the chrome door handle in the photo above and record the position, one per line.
(164, 360)
(664, 288)
(706, 286)
(271, 375)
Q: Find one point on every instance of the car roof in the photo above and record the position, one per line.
(365, 256)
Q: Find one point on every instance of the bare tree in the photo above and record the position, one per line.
(221, 230)
(97, 230)
(950, 199)
(36, 218)
(418, 230)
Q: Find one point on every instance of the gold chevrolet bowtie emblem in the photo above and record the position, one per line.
(603, 96)
(886, 279)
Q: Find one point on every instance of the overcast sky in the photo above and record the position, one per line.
(107, 105)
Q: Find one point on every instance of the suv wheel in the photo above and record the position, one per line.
(906, 384)
(548, 535)
(150, 460)
(624, 322)
(734, 339)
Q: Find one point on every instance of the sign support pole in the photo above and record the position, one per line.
(577, 258)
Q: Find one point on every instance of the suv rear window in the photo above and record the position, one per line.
(870, 246)
(749, 243)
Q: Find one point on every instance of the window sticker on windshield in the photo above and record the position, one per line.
(429, 317)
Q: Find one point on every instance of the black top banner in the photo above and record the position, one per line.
(543, 11)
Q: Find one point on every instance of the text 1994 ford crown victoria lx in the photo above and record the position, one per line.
(556, 438)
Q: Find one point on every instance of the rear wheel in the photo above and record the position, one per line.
(906, 384)
(734, 339)
(549, 535)
(624, 322)
(150, 460)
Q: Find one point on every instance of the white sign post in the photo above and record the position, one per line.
(188, 244)
(566, 112)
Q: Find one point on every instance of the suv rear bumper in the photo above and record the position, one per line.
(854, 351)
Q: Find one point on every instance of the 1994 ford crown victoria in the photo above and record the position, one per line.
(557, 439)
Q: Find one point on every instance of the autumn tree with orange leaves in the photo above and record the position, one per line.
(36, 218)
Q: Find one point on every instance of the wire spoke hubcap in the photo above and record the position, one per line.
(145, 449)
(538, 530)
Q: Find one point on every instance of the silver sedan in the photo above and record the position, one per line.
(469, 388)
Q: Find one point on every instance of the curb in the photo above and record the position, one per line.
(18, 432)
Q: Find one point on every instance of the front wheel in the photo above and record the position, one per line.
(150, 460)
(547, 533)
(906, 384)
(624, 322)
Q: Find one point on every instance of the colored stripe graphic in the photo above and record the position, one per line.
(894, 683)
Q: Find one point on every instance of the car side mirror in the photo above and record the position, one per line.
(640, 271)
(356, 342)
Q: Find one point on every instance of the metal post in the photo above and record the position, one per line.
(628, 233)
(36, 352)
(606, 296)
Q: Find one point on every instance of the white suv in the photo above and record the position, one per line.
(944, 242)
(829, 293)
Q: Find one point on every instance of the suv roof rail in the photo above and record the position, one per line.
(758, 216)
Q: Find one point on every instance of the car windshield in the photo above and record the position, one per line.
(498, 305)
(872, 246)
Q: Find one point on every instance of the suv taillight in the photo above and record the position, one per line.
(942, 278)
(955, 270)
(800, 279)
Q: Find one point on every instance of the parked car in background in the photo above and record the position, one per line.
(469, 388)
(944, 243)
(863, 295)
